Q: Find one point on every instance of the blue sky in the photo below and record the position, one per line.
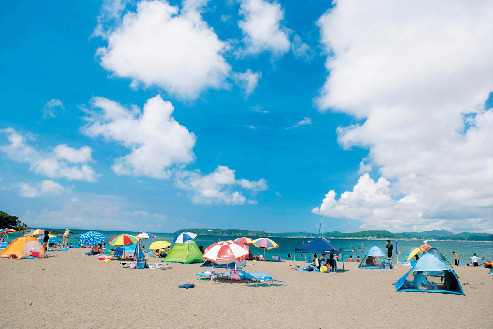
(247, 114)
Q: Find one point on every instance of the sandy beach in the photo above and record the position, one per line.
(74, 291)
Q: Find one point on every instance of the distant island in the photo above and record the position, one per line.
(369, 234)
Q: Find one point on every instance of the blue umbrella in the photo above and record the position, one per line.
(91, 238)
(185, 237)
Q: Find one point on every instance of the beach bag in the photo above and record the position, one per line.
(323, 268)
(35, 253)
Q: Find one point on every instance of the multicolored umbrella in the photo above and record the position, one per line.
(159, 245)
(224, 252)
(91, 238)
(7, 230)
(124, 240)
(37, 232)
(244, 240)
(145, 235)
(185, 237)
(265, 243)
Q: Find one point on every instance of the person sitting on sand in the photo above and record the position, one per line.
(156, 253)
(332, 263)
(96, 249)
(358, 259)
(370, 260)
(350, 259)
(71, 245)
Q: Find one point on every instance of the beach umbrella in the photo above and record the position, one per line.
(185, 237)
(146, 236)
(36, 232)
(224, 252)
(7, 230)
(265, 243)
(91, 238)
(159, 245)
(244, 240)
(123, 240)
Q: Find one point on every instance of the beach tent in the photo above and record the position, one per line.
(375, 258)
(430, 274)
(184, 253)
(440, 256)
(318, 246)
(24, 246)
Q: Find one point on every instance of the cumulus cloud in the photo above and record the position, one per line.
(221, 186)
(156, 140)
(160, 46)
(418, 75)
(247, 81)
(262, 27)
(45, 187)
(61, 162)
(50, 108)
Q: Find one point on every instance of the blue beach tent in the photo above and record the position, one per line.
(375, 258)
(430, 274)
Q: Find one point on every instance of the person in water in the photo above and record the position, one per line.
(358, 259)
(350, 258)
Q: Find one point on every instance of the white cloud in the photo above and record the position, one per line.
(45, 187)
(157, 142)
(300, 49)
(304, 122)
(62, 162)
(52, 107)
(419, 74)
(110, 16)
(247, 80)
(221, 186)
(262, 27)
(158, 46)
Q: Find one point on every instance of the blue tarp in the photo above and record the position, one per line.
(319, 246)
(431, 265)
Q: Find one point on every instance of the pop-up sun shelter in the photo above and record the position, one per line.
(24, 246)
(430, 274)
(375, 258)
(184, 253)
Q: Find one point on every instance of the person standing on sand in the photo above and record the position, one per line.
(389, 247)
(475, 260)
(46, 239)
(456, 258)
(65, 238)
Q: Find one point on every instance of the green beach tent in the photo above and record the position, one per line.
(185, 253)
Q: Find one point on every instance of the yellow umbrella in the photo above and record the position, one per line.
(159, 245)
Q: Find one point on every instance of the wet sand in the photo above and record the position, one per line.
(70, 290)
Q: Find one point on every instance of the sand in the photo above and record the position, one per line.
(69, 290)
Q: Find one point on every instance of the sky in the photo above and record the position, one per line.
(250, 114)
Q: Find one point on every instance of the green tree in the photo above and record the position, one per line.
(13, 222)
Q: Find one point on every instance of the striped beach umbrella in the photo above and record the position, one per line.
(37, 232)
(265, 243)
(91, 238)
(185, 237)
(7, 230)
(145, 235)
(224, 252)
(124, 240)
(244, 240)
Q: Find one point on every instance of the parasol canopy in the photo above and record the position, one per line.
(124, 240)
(159, 245)
(224, 252)
(185, 237)
(91, 238)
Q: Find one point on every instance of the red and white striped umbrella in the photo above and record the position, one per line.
(225, 252)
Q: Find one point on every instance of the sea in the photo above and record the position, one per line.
(354, 247)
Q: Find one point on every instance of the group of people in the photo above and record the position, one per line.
(325, 265)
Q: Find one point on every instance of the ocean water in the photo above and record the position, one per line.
(465, 249)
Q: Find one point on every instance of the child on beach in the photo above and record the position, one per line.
(358, 259)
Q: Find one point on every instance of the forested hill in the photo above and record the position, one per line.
(372, 234)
